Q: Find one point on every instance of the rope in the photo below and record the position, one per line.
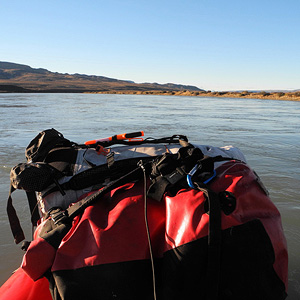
(148, 232)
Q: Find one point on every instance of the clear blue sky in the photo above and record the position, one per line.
(213, 44)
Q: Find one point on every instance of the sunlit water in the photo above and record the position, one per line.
(268, 133)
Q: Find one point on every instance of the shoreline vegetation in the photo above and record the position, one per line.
(288, 96)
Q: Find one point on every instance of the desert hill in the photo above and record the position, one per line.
(21, 78)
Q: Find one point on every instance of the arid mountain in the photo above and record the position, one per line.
(21, 78)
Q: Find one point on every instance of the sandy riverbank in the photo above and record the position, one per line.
(292, 96)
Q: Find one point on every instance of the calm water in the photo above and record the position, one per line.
(268, 133)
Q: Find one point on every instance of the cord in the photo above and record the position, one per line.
(148, 232)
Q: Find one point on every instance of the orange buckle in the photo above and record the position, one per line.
(101, 150)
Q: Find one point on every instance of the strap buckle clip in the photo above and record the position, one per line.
(58, 216)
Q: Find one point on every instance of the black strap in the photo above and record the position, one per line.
(99, 174)
(214, 242)
(170, 169)
(161, 183)
(77, 208)
(13, 219)
(214, 247)
(32, 201)
(14, 222)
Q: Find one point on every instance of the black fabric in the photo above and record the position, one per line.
(54, 233)
(170, 169)
(62, 159)
(30, 177)
(46, 140)
(246, 266)
(130, 280)
(33, 176)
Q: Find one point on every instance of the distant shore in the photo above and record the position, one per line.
(289, 96)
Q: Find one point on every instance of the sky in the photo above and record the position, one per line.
(212, 44)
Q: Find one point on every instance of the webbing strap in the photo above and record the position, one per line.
(99, 174)
(78, 207)
(32, 201)
(214, 242)
(13, 219)
(214, 247)
(14, 222)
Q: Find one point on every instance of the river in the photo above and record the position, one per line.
(267, 132)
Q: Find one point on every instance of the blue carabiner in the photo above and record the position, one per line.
(209, 179)
(191, 174)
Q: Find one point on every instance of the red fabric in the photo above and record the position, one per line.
(21, 287)
(113, 230)
(253, 203)
(186, 220)
(40, 258)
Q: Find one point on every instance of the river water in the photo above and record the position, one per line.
(267, 132)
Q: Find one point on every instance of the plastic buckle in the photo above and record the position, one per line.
(58, 217)
(101, 150)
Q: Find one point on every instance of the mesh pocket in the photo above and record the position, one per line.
(32, 177)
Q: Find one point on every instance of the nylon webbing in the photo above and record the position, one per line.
(214, 243)
(32, 201)
(99, 174)
(81, 205)
(14, 222)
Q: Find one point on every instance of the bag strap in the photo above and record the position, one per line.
(14, 222)
(33, 206)
(214, 241)
(77, 208)
(98, 175)
(13, 219)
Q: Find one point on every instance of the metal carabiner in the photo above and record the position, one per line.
(192, 173)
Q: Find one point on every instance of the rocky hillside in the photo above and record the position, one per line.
(16, 78)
